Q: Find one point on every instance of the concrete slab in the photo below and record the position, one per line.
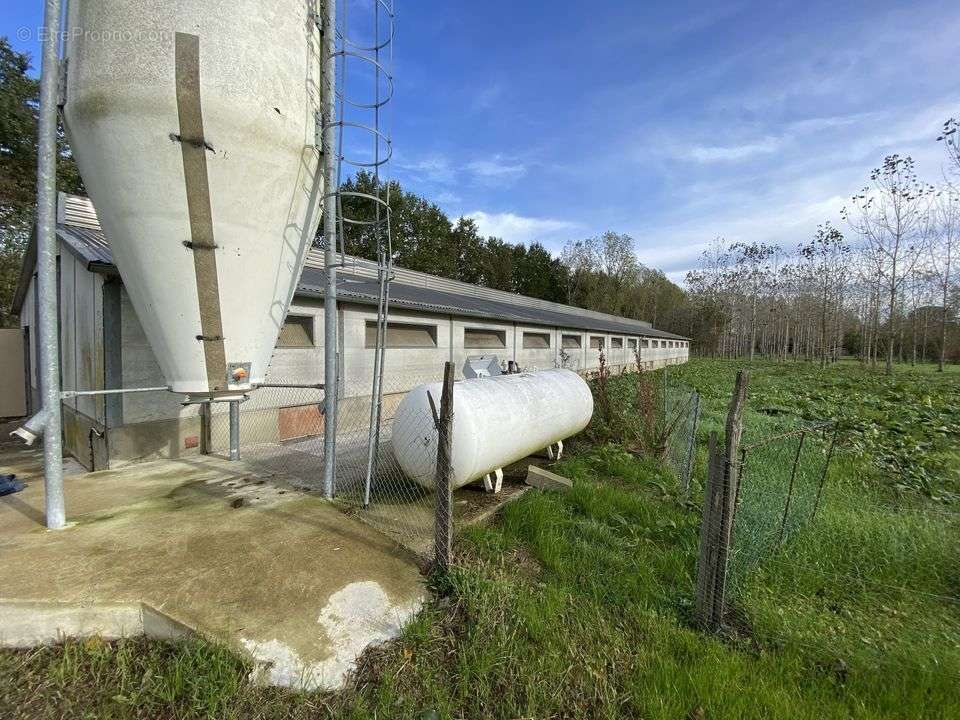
(543, 479)
(204, 545)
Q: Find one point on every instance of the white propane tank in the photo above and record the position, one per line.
(193, 125)
(496, 421)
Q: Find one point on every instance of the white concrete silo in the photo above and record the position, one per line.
(193, 125)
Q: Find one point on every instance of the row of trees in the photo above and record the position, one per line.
(887, 289)
(600, 273)
(19, 105)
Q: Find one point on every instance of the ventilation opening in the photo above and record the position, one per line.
(536, 341)
(297, 332)
(484, 338)
(403, 335)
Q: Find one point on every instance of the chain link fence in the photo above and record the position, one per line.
(681, 410)
(757, 496)
(780, 484)
(281, 433)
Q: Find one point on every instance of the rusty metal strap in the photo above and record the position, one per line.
(194, 149)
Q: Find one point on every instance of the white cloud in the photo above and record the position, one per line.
(520, 229)
(496, 168)
(431, 168)
(486, 98)
(721, 153)
(447, 198)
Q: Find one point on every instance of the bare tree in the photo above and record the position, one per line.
(945, 236)
(754, 272)
(889, 216)
(826, 255)
(950, 137)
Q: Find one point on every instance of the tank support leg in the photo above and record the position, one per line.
(493, 485)
(551, 455)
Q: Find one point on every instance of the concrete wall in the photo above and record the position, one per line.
(103, 345)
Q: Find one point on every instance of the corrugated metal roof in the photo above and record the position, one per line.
(368, 269)
(90, 245)
(79, 229)
(352, 288)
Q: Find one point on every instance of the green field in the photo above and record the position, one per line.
(580, 605)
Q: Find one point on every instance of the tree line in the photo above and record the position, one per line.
(599, 273)
(882, 286)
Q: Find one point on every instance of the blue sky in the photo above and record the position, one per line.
(673, 122)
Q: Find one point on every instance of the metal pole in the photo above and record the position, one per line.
(793, 477)
(67, 394)
(234, 429)
(47, 268)
(826, 469)
(329, 159)
(443, 512)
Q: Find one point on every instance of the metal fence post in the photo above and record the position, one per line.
(330, 197)
(691, 443)
(234, 429)
(443, 538)
(793, 477)
(48, 309)
(826, 469)
(206, 429)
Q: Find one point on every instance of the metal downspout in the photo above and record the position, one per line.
(47, 268)
(330, 189)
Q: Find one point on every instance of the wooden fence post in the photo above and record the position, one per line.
(719, 508)
(731, 490)
(443, 533)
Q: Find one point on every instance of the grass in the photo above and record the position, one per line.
(579, 604)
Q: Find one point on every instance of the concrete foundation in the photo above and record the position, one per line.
(202, 545)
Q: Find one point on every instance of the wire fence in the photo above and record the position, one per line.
(384, 478)
(780, 483)
(681, 411)
(793, 559)
(281, 432)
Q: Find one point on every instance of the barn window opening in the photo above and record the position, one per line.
(297, 332)
(403, 335)
(596, 342)
(645, 343)
(632, 343)
(616, 343)
(536, 341)
(571, 342)
(484, 338)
